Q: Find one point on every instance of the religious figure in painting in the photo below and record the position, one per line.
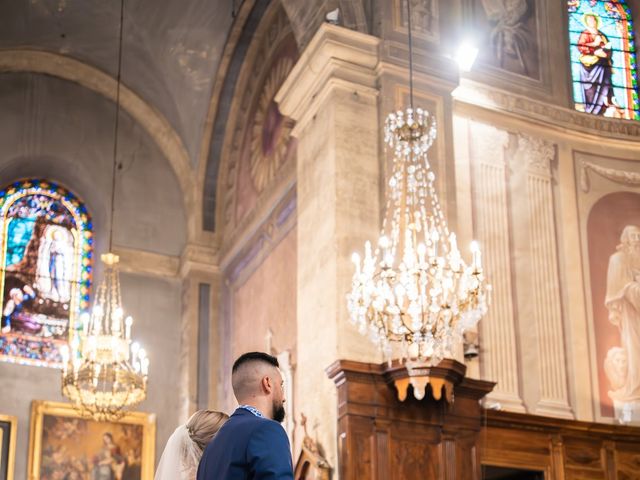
(11, 313)
(55, 264)
(510, 37)
(595, 67)
(623, 303)
(109, 464)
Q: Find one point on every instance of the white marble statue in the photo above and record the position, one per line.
(622, 364)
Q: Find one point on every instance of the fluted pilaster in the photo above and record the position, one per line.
(499, 358)
(536, 155)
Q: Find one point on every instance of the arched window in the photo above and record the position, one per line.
(603, 58)
(45, 270)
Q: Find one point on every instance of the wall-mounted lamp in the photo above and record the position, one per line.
(466, 55)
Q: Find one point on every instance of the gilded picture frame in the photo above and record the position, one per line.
(64, 445)
(8, 433)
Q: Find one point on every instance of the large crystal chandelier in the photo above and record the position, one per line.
(104, 372)
(412, 293)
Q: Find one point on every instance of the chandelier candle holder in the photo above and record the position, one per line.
(104, 372)
(413, 294)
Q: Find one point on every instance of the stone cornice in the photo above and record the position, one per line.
(473, 94)
(199, 258)
(336, 56)
(147, 263)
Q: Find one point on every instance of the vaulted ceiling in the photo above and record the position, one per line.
(171, 49)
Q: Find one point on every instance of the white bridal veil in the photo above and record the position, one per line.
(180, 458)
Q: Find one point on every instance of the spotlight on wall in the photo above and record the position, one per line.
(466, 55)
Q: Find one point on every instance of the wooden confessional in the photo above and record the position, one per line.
(382, 438)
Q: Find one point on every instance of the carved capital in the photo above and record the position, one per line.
(537, 154)
(488, 144)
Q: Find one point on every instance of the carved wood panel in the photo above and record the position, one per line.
(383, 438)
(563, 449)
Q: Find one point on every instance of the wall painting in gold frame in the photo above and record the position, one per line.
(65, 446)
(8, 432)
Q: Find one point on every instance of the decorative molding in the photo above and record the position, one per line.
(623, 177)
(147, 263)
(243, 259)
(491, 224)
(272, 32)
(270, 132)
(471, 93)
(545, 286)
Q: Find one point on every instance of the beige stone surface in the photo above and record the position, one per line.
(330, 94)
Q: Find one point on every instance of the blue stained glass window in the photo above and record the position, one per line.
(603, 58)
(45, 270)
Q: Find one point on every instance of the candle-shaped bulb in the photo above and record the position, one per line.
(64, 353)
(453, 242)
(127, 323)
(422, 250)
(383, 242)
(475, 255)
(85, 318)
(135, 347)
(145, 366)
(388, 259)
(367, 250)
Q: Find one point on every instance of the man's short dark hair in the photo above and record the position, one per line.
(255, 357)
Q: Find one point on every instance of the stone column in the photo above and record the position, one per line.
(535, 156)
(332, 95)
(198, 264)
(499, 351)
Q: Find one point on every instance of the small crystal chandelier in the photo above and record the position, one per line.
(413, 295)
(104, 373)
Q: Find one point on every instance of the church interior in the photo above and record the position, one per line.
(427, 210)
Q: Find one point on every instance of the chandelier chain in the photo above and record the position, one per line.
(116, 124)
(410, 32)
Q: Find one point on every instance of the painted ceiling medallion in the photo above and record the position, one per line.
(271, 130)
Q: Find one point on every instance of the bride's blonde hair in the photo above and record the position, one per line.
(203, 425)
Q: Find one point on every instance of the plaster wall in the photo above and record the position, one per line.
(55, 129)
(266, 301)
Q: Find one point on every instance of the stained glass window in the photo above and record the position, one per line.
(603, 58)
(45, 270)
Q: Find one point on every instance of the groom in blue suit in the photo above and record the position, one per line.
(251, 445)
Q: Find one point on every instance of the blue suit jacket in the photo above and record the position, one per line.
(247, 447)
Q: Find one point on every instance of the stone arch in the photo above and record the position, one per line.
(241, 50)
(158, 128)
